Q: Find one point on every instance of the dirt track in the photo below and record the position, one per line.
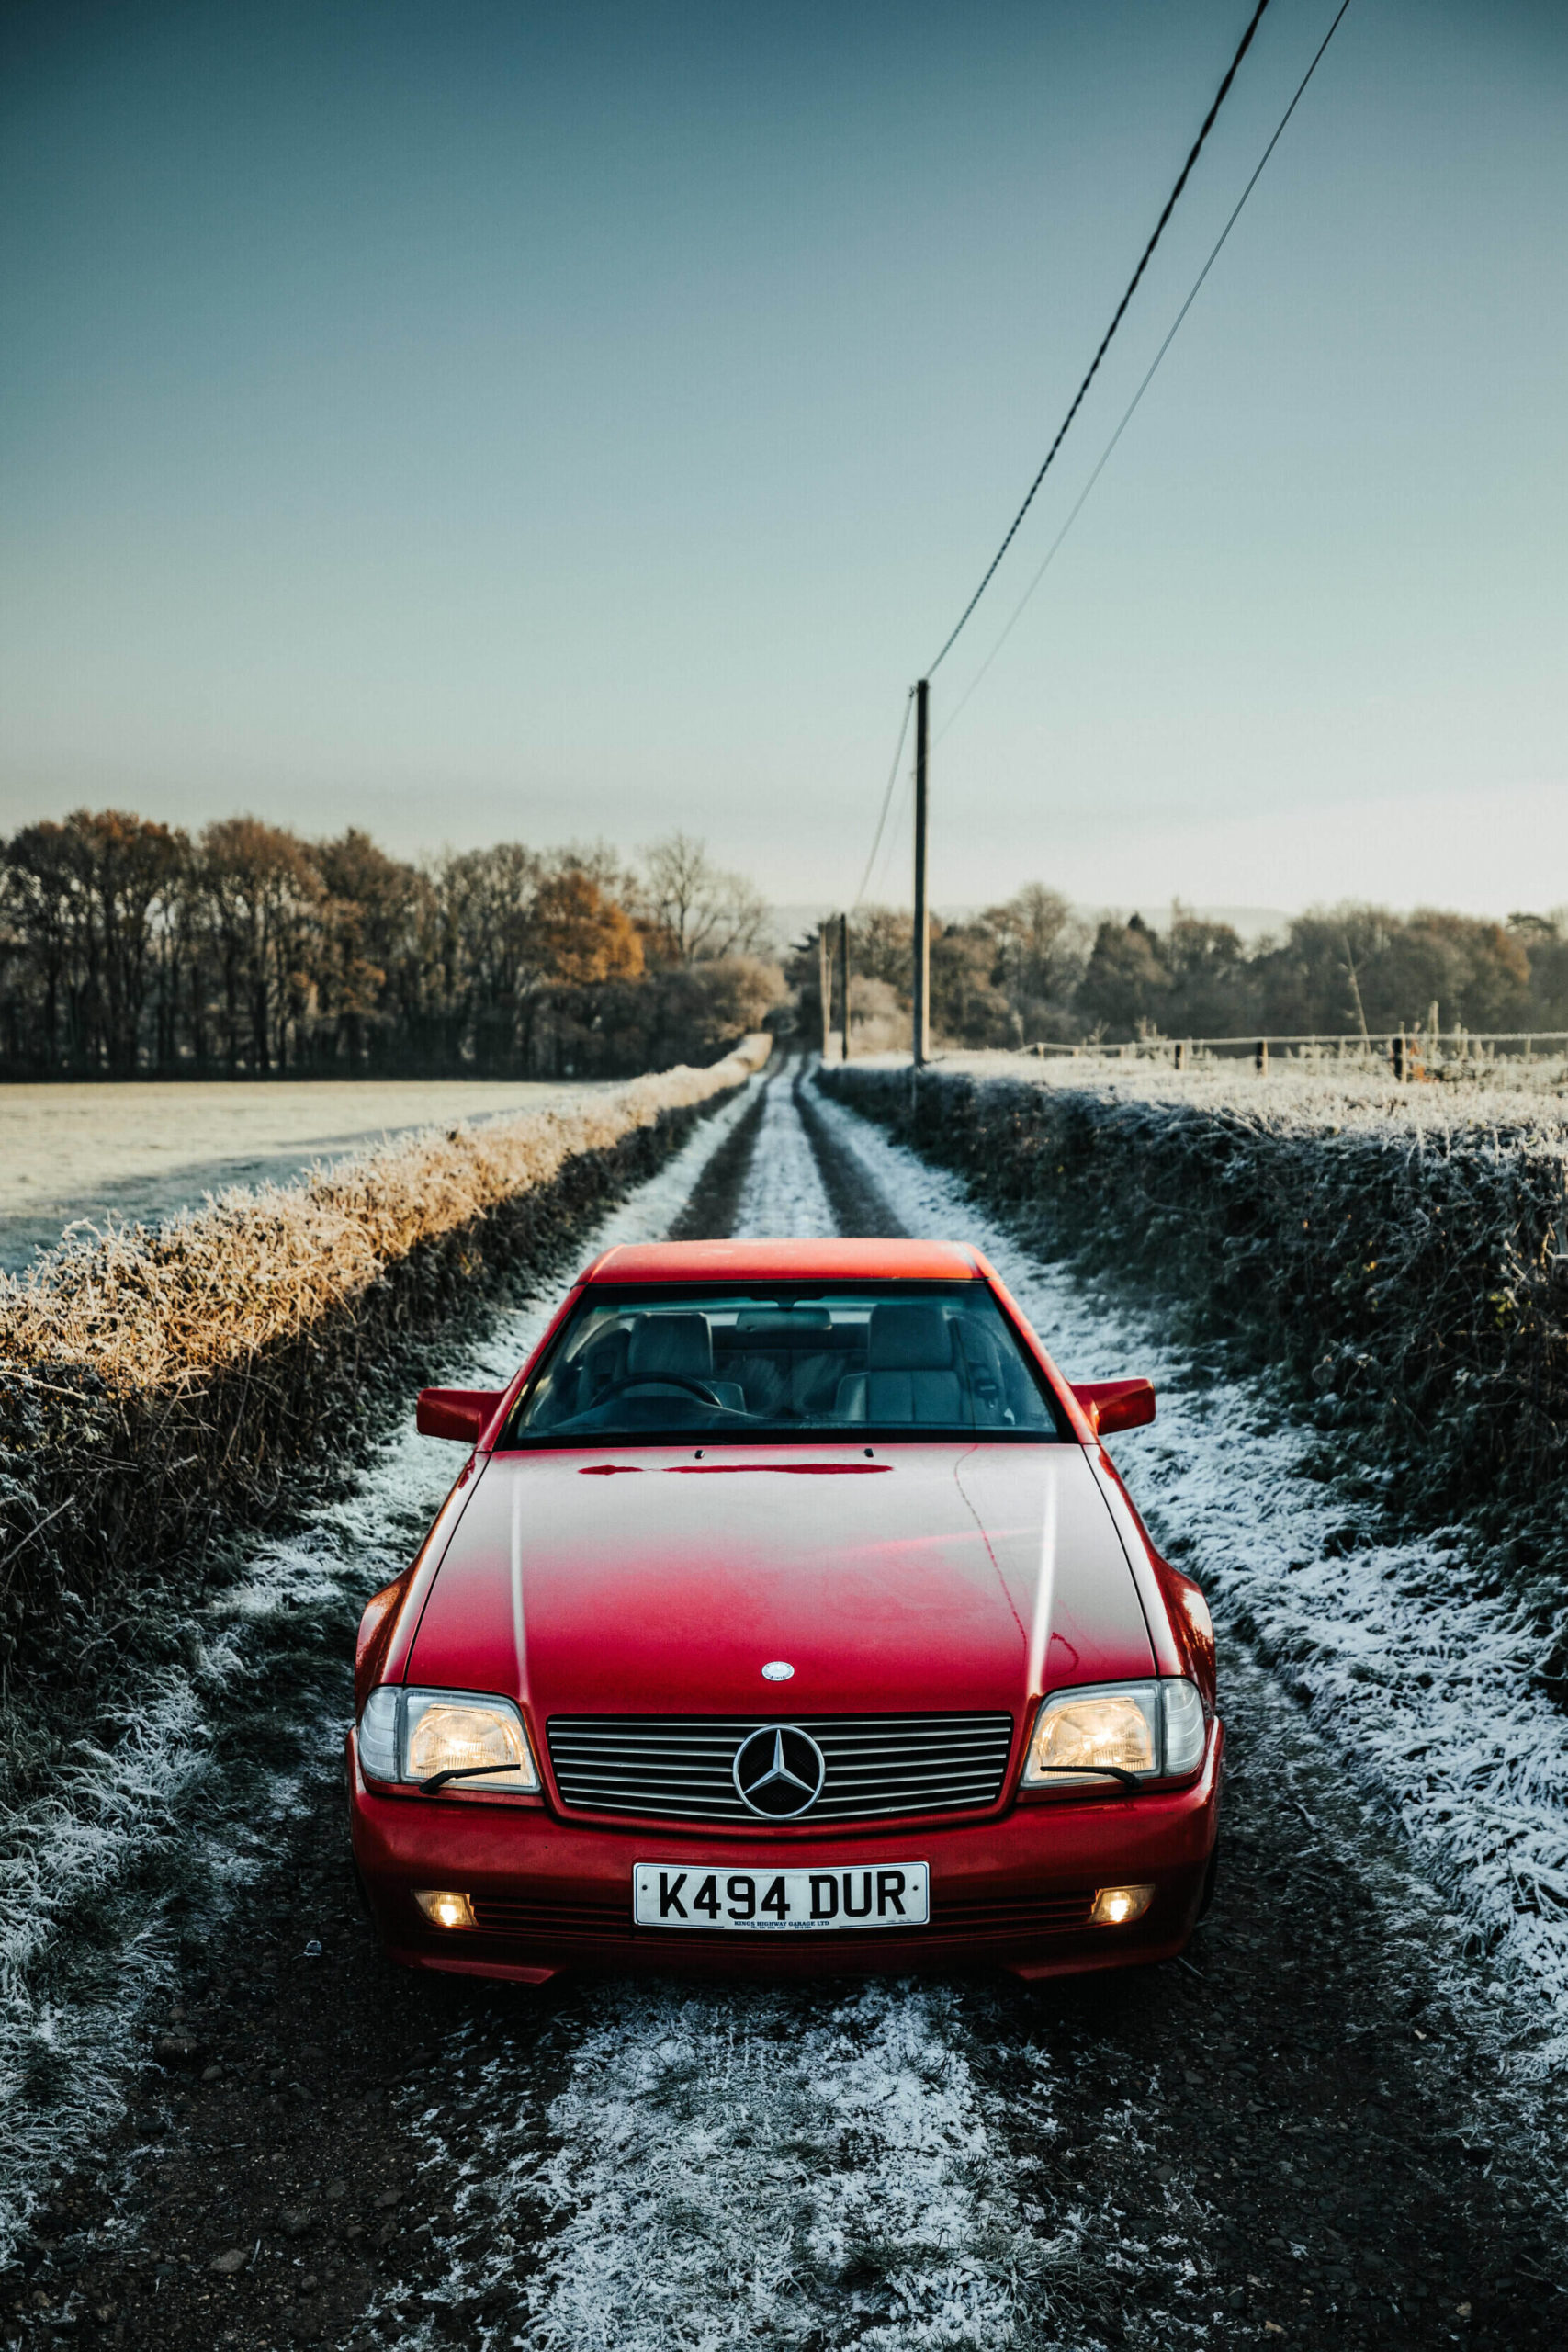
(1289, 2135)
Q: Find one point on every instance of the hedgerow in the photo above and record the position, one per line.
(1401, 1259)
(163, 1385)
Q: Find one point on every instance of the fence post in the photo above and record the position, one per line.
(1262, 1058)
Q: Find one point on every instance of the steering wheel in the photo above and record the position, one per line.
(659, 1381)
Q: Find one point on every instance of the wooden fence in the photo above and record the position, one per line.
(1412, 1053)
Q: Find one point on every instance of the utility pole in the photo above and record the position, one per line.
(922, 991)
(844, 969)
(824, 981)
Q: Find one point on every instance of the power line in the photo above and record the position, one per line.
(1170, 202)
(1081, 499)
(886, 797)
(896, 830)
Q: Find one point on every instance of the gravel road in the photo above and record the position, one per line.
(1322, 2126)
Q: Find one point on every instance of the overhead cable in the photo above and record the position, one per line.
(1127, 415)
(1170, 203)
(886, 799)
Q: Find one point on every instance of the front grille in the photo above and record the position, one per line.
(675, 1768)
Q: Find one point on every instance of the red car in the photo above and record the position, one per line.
(786, 1615)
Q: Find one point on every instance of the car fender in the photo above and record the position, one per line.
(1181, 1629)
(392, 1616)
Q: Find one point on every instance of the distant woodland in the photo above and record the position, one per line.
(1033, 969)
(130, 948)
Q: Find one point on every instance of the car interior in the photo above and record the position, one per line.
(906, 1362)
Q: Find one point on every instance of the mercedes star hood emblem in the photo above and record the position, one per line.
(779, 1772)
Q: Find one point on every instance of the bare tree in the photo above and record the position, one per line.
(695, 910)
(1040, 943)
(92, 898)
(262, 897)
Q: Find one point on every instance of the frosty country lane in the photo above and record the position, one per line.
(1324, 2127)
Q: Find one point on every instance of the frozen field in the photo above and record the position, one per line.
(145, 1149)
(1296, 1089)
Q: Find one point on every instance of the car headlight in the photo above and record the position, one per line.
(433, 1738)
(1120, 1731)
(1185, 1729)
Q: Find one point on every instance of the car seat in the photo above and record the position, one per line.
(908, 1375)
(681, 1346)
(789, 1361)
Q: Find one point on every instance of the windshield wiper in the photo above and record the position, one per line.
(1091, 1771)
(462, 1772)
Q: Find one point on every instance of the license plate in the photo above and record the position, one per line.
(890, 1894)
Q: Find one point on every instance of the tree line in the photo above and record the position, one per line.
(1033, 969)
(132, 948)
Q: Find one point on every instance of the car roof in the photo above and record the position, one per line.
(709, 1262)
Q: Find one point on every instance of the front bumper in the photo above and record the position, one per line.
(1012, 1892)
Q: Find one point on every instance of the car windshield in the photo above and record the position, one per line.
(666, 1362)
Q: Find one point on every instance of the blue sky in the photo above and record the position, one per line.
(486, 420)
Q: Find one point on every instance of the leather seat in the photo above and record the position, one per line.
(909, 1374)
(787, 1361)
(678, 1346)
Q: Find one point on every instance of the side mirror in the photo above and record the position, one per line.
(460, 1413)
(1113, 1405)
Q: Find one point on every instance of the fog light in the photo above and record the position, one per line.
(445, 1910)
(1114, 1906)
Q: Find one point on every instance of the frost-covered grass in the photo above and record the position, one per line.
(154, 1308)
(134, 1839)
(783, 1192)
(828, 2162)
(791, 2165)
(1298, 1093)
(1427, 1691)
(101, 1149)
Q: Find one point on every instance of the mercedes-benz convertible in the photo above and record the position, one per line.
(787, 1614)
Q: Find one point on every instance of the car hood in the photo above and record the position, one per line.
(933, 1577)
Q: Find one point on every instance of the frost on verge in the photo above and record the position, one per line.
(1425, 1694)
